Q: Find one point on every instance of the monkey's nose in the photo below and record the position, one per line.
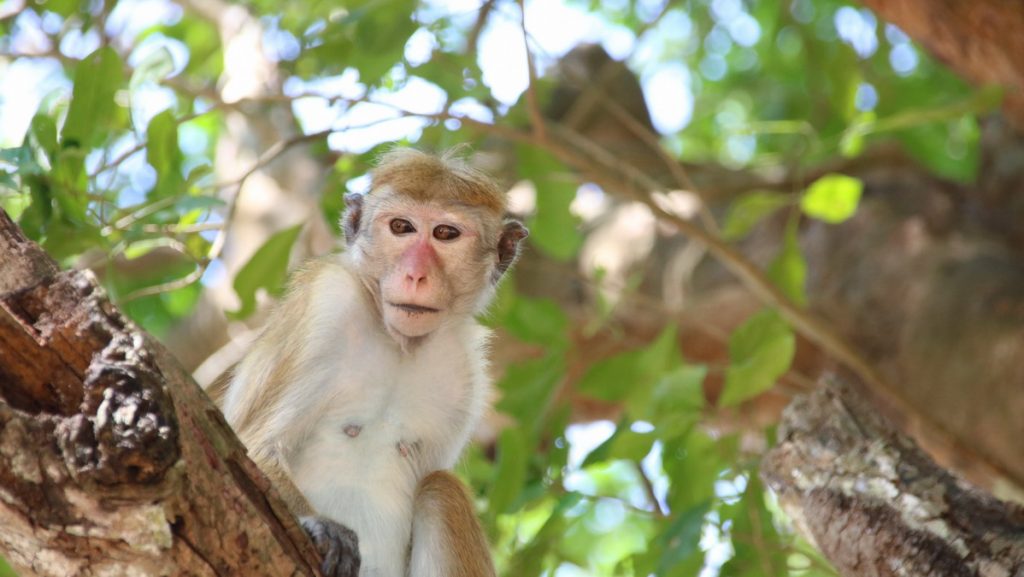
(416, 281)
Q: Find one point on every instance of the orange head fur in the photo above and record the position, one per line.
(447, 179)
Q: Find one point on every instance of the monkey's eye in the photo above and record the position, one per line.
(401, 226)
(445, 232)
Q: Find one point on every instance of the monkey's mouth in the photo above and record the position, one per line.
(414, 309)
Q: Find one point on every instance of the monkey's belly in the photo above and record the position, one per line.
(365, 479)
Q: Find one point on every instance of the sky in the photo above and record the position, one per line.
(555, 26)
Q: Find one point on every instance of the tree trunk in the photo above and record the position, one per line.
(112, 460)
(876, 505)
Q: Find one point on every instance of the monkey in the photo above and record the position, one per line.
(369, 377)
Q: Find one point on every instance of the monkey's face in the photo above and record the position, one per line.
(430, 266)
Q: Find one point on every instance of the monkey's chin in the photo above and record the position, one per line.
(411, 321)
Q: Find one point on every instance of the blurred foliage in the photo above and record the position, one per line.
(99, 178)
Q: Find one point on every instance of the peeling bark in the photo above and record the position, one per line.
(112, 460)
(876, 505)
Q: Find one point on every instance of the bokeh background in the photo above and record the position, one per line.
(727, 198)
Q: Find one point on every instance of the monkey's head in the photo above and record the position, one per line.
(429, 240)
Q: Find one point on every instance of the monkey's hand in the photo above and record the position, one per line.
(338, 546)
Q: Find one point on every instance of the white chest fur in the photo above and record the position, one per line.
(383, 421)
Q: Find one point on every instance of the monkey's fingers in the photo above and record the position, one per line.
(337, 544)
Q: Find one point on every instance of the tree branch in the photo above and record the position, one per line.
(875, 504)
(112, 460)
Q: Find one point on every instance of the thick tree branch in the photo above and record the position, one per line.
(111, 457)
(875, 504)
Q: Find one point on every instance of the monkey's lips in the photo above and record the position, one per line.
(414, 309)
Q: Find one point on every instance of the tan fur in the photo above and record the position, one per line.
(444, 499)
(252, 424)
(329, 391)
(446, 179)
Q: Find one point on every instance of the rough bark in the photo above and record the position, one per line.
(933, 294)
(876, 505)
(112, 460)
(980, 39)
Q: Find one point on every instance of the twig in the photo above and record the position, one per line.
(473, 38)
(168, 286)
(536, 116)
(649, 489)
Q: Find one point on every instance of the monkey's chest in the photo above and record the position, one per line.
(393, 428)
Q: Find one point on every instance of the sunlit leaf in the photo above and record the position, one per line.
(832, 198)
(163, 154)
(267, 269)
(97, 78)
(143, 247)
(156, 66)
(760, 351)
(43, 131)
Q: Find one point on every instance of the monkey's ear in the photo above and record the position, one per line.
(353, 215)
(512, 232)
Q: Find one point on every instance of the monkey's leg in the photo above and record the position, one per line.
(447, 540)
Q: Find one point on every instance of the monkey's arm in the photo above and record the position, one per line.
(277, 472)
(263, 400)
(447, 540)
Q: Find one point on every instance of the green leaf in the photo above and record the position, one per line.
(5, 569)
(553, 229)
(528, 386)
(510, 474)
(267, 269)
(536, 321)
(760, 351)
(164, 156)
(632, 374)
(370, 37)
(748, 210)
(97, 78)
(693, 463)
(758, 550)
(789, 269)
(156, 66)
(625, 444)
(677, 400)
(530, 559)
(832, 198)
(144, 247)
(682, 538)
(44, 132)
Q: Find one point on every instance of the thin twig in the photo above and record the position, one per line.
(473, 38)
(536, 116)
(649, 489)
